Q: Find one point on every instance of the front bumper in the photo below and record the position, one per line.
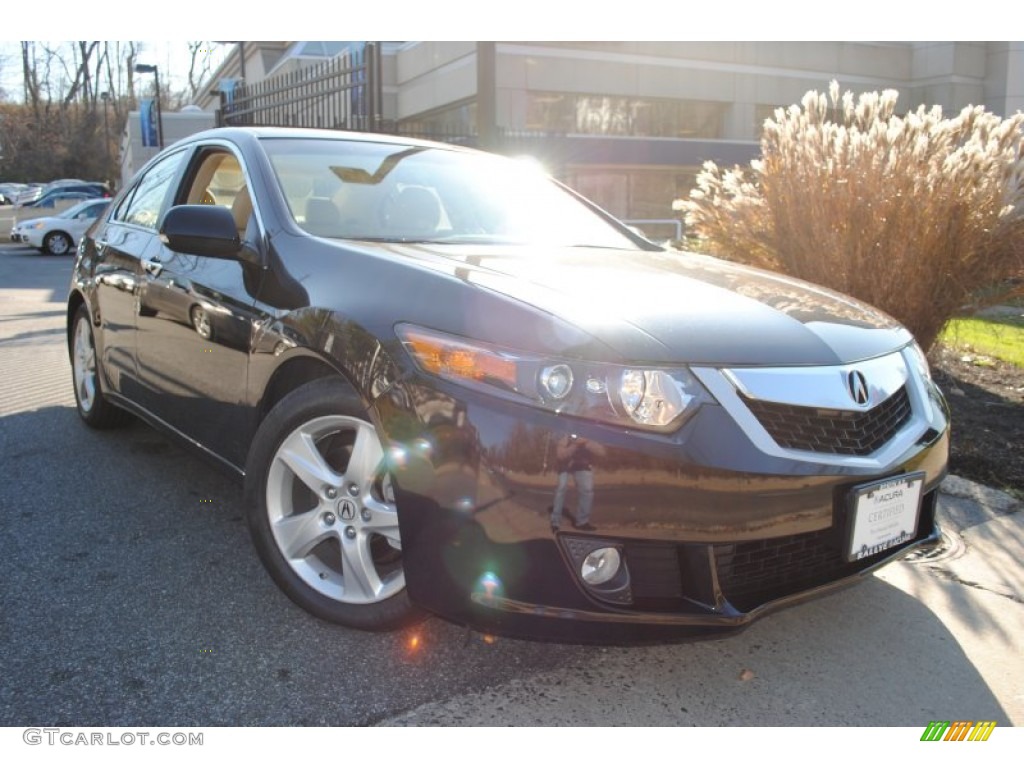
(33, 238)
(714, 531)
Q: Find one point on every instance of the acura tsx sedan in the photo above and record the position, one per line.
(450, 385)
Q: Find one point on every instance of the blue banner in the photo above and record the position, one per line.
(147, 117)
(227, 89)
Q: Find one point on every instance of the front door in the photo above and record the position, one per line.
(196, 323)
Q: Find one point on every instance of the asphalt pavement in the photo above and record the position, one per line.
(132, 596)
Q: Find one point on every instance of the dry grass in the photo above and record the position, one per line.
(918, 215)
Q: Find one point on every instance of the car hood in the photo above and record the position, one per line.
(669, 306)
(29, 223)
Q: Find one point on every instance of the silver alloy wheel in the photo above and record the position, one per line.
(201, 322)
(58, 243)
(84, 365)
(332, 513)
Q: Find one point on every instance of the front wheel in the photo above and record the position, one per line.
(322, 510)
(201, 322)
(57, 244)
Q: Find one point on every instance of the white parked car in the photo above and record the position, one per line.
(59, 234)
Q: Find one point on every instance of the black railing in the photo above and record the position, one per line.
(343, 93)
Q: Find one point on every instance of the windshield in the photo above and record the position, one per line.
(362, 190)
(74, 210)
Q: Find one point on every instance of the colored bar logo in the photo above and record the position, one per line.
(959, 730)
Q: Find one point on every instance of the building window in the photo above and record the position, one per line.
(450, 122)
(633, 192)
(624, 115)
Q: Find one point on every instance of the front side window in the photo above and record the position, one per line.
(218, 179)
(401, 193)
(145, 202)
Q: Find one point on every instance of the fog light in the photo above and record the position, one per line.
(601, 565)
(556, 380)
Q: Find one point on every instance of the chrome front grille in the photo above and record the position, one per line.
(822, 430)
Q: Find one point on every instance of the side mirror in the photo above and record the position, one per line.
(205, 230)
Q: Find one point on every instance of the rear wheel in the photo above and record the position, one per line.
(322, 510)
(93, 406)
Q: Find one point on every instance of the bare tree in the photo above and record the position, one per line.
(30, 75)
(63, 126)
(199, 66)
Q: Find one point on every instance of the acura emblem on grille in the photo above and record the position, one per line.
(858, 387)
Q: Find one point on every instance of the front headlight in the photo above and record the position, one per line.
(38, 225)
(649, 398)
(655, 397)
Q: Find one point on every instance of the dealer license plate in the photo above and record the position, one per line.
(884, 514)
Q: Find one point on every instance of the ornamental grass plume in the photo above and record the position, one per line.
(918, 215)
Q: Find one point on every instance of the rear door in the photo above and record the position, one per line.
(118, 247)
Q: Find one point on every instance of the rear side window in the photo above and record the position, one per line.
(144, 203)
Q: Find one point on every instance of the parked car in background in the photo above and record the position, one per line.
(11, 191)
(35, 190)
(59, 234)
(54, 199)
(62, 193)
(450, 384)
(29, 193)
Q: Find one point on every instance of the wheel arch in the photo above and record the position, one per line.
(295, 373)
(75, 300)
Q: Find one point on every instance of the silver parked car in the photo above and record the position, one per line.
(59, 234)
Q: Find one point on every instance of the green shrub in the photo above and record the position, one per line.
(918, 215)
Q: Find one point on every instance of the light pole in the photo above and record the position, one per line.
(153, 69)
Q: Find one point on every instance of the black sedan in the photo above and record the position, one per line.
(451, 385)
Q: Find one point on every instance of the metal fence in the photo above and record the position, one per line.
(343, 93)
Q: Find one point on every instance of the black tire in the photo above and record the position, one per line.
(93, 406)
(308, 529)
(57, 244)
